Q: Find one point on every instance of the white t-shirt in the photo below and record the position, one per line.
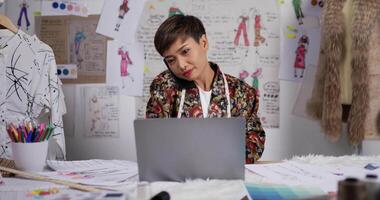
(205, 97)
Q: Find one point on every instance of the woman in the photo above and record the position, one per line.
(194, 87)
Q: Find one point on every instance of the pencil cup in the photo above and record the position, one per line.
(30, 156)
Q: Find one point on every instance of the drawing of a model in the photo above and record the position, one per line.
(125, 61)
(123, 9)
(23, 12)
(79, 37)
(95, 112)
(259, 39)
(299, 63)
(255, 78)
(242, 28)
(298, 11)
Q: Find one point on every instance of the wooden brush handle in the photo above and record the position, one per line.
(34, 176)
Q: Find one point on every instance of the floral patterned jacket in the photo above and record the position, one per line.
(164, 101)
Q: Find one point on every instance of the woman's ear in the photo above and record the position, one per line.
(203, 41)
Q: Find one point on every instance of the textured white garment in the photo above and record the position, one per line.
(201, 189)
(29, 87)
(205, 97)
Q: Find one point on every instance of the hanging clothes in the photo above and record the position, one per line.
(360, 75)
(29, 87)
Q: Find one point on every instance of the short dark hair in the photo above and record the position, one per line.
(177, 26)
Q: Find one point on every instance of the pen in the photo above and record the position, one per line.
(50, 132)
(36, 135)
(10, 134)
(40, 132)
(20, 138)
(14, 132)
(29, 138)
(34, 132)
(47, 130)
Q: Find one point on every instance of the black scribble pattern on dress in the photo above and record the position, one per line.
(17, 76)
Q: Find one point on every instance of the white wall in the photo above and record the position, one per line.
(371, 147)
(296, 136)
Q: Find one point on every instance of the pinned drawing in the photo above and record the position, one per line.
(301, 35)
(125, 61)
(259, 39)
(23, 12)
(101, 111)
(125, 67)
(95, 112)
(119, 19)
(298, 10)
(174, 10)
(123, 9)
(79, 37)
(243, 75)
(255, 79)
(242, 28)
(299, 63)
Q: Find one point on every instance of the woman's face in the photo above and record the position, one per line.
(187, 58)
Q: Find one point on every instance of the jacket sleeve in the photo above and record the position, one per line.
(57, 107)
(159, 104)
(255, 135)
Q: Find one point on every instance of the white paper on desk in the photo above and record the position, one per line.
(106, 173)
(292, 173)
(120, 18)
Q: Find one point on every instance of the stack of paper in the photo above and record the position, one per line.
(293, 174)
(108, 174)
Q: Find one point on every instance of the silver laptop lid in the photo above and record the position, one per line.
(174, 149)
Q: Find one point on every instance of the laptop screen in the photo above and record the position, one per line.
(172, 149)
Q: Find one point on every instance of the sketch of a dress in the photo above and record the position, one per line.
(299, 63)
(123, 9)
(125, 61)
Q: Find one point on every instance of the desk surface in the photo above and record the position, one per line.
(146, 190)
(17, 188)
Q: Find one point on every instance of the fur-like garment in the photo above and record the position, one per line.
(325, 103)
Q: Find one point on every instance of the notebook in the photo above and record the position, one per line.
(171, 149)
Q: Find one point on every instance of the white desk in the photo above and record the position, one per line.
(145, 191)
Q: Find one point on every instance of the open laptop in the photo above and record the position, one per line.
(172, 149)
